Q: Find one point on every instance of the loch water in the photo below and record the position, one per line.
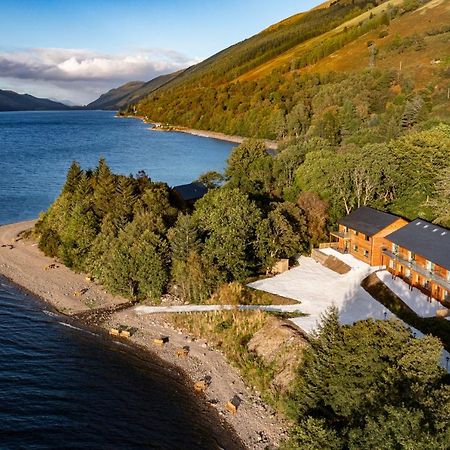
(62, 385)
(37, 148)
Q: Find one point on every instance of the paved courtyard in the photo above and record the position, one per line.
(317, 288)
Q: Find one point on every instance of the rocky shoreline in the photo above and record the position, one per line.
(256, 424)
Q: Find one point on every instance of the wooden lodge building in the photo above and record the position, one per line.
(363, 233)
(420, 254)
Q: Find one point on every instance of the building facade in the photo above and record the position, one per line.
(363, 233)
(419, 253)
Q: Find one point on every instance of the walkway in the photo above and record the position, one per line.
(140, 310)
(415, 299)
(317, 288)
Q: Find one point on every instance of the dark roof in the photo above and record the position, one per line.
(425, 239)
(367, 220)
(191, 191)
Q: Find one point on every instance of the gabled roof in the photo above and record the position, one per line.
(425, 239)
(367, 220)
(191, 191)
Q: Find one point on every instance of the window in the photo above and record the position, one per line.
(429, 266)
(366, 253)
(355, 248)
(367, 238)
(356, 233)
(395, 248)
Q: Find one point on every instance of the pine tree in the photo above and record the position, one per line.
(104, 189)
(73, 177)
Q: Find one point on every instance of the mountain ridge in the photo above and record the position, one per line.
(13, 101)
(129, 93)
(250, 88)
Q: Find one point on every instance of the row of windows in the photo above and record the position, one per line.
(416, 277)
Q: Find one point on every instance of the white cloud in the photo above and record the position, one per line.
(84, 74)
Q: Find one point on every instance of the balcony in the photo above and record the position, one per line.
(418, 269)
(340, 235)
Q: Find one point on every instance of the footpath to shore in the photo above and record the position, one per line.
(256, 424)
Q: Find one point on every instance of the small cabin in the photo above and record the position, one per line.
(188, 194)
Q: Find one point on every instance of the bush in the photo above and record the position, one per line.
(49, 242)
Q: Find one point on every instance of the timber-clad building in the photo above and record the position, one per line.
(418, 252)
(363, 233)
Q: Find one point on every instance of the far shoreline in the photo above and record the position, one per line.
(156, 126)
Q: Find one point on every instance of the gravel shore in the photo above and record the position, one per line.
(256, 424)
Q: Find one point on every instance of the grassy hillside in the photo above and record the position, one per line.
(12, 101)
(256, 87)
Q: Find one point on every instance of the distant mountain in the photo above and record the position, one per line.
(12, 101)
(129, 93)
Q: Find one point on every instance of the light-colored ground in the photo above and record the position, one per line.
(317, 288)
(25, 264)
(271, 145)
(142, 309)
(256, 424)
(417, 301)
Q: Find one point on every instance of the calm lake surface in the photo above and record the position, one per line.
(36, 149)
(62, 386)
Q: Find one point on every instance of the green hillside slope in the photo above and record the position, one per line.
(282, 83)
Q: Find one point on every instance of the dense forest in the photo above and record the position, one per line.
(131, 234)
(369, 386)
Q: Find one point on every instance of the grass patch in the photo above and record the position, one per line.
(230, 332)
(435, 326)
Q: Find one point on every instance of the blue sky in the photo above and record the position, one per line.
(77, 49)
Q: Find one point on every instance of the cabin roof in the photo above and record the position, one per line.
(425, 239)
(191, 191)
(367, 220)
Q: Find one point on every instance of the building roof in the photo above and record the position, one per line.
(191, 191)
(367, 220)
(425, 239)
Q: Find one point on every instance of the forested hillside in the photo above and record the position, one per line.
(386, 62)
(372, 132)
